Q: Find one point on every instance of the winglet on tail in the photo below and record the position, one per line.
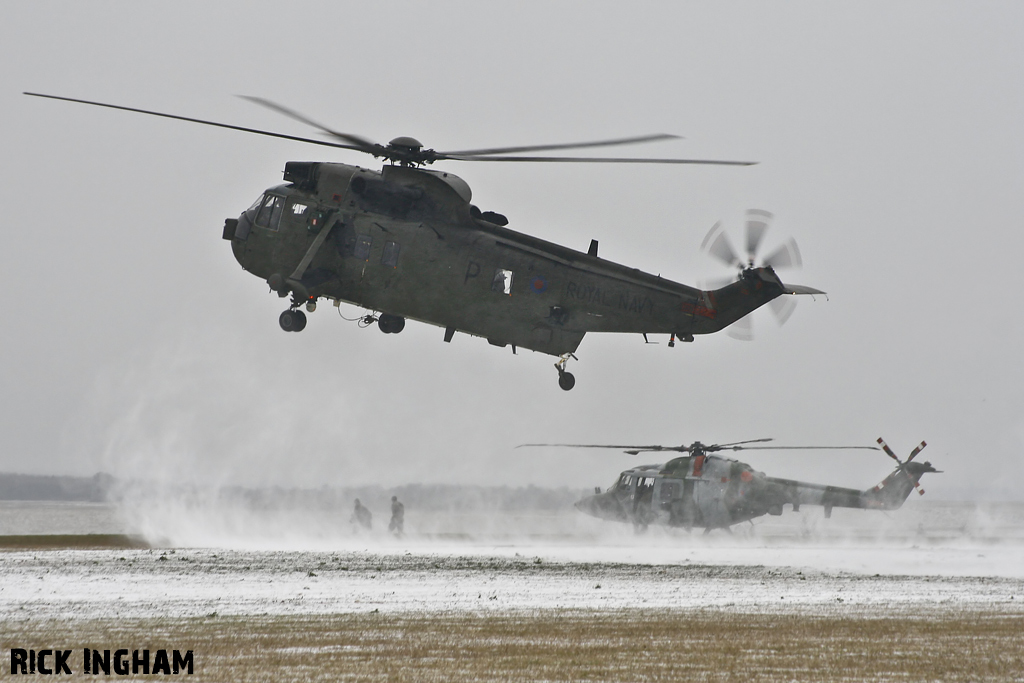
(803, 289)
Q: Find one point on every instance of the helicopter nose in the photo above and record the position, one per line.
(595, 506)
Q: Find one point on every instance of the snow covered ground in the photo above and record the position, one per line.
(196, 582)
(943, 558)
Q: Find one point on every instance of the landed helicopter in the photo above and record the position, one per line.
(704, 490)
(406, 243)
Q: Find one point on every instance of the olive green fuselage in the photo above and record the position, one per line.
(407, 242)
(714, 492)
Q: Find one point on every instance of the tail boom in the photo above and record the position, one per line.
(892, 491)
(722, 307)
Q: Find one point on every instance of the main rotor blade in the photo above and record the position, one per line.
(322, 143)
(786, 256)
(594, 445)
(596, 160)
(362, 143)
(757, 225)
(735, 445)
(813, 448)
(718, 245)
(567, 145)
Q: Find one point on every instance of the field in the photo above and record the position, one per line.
(563, 645)
(471, 614)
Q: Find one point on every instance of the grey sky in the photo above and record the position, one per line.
(890, 146)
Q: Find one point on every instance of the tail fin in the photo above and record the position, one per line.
(892, 491)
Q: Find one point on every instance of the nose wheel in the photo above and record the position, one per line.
(292, 320)
(566, 380)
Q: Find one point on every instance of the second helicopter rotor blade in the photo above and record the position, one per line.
(717, 243)
(917, 450)
(568, 145)
(757, 225)
(782, 307)
(594, 445)
(597, 160)
(888, 451)
(736, 445)
(322, 143)
(742, 329)
(786, 256)
(809, 448)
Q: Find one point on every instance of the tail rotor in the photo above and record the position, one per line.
(902, 464)
(717, 244)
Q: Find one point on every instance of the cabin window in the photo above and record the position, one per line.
(502, 281)
(362, 249)
(270, 212)
(390, 257)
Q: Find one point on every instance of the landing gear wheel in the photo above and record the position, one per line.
(566, 381)
(292, 320)
(391, 324)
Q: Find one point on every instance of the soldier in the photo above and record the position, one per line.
(361, 516)
(397, 524)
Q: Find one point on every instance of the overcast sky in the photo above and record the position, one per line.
(891, 147)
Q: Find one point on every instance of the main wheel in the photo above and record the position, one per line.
(292, 321)
(566, 381)
(287, 320)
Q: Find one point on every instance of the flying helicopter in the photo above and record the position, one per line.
(700, 489)
(405, 242)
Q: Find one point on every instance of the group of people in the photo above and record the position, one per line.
(362, 518)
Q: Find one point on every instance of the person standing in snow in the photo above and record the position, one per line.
(397, 524)
(361, 516)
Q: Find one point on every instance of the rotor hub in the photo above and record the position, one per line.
(406, 142)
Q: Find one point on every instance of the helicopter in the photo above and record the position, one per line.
(705, 490)
(406, 243)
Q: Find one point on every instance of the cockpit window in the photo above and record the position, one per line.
(270, 212)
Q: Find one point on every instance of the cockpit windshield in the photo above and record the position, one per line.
(269, 215)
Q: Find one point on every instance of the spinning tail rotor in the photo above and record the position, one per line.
(718, 245)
